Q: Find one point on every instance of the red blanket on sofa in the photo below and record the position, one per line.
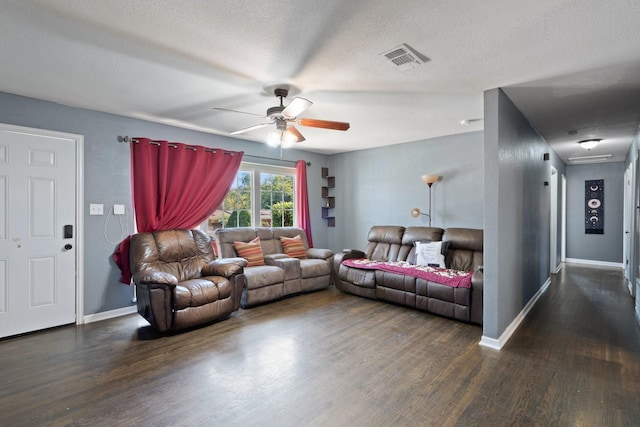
(444, 276)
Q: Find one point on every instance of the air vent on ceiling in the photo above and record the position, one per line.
(404, 57)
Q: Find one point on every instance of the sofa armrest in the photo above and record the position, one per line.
(318, 253)
(154, 278)
(353, 253)
(269, 257)
(477, 300)
(290, 266)
(345, 254)
(225, 267)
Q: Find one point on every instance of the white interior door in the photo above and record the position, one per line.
(37, 201)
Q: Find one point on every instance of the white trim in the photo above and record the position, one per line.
(104, 315)
(497, 344)
(490, 343)
(595, 263)
(80, 229)
(79, 240)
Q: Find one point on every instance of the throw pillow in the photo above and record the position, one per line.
(429, 253)
(251, 251)
(293, 247)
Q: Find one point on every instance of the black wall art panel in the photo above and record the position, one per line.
(594, 206)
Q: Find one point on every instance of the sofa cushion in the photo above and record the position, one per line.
(314, 268)
(251, 251)
(293, 247)
(263, 275)
(197, 292)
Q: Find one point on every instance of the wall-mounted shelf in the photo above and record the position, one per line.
(329, 200)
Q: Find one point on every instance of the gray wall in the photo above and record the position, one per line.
(107, 179)
(516, 212)
(597, 247)
(380, 186)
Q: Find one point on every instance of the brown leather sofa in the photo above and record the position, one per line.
(396, 243)
(281, 275)
(179, 284)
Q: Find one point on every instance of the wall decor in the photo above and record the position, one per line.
(594, 206)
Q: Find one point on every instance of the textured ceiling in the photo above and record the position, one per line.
(568, 65)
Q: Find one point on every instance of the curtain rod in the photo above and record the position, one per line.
(133, 140)
(273, 158)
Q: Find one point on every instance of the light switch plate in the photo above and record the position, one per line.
(96, 209)
(118, 209)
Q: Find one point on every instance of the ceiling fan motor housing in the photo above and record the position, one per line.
(275, 112)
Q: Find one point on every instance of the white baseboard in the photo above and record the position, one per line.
(104, 315)
(497, 344)
(595, 263)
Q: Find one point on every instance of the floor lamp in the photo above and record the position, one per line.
(429, 180)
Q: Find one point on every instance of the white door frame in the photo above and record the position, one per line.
(553, 235)
(627, 228)
(563, 221)
(79, 243)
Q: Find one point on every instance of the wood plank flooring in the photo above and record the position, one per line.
(332, 359)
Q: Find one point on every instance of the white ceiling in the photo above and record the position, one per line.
(568, 65)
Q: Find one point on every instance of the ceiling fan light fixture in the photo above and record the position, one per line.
(288, 139)
(588, 144)
(273, 139)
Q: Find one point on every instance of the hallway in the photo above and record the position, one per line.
(578, 352)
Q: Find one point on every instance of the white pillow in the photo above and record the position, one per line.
(429, 253)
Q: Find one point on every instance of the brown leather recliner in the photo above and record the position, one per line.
(179, 283)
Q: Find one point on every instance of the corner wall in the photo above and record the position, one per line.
(380, 186)
(516, 212)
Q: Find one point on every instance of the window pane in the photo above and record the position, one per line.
(236, 207)
(276, 200)
(275, 196)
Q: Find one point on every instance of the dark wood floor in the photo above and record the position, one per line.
(328, 359)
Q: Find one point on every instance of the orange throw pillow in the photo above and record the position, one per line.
(251, 251)
(293, 247)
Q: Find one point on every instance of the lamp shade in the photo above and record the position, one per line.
(415, 212)
(430, 179)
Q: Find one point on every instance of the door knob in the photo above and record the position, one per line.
(68, 246)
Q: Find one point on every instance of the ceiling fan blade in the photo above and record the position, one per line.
(236, 111)
(324, 124)
(297, 106)
(295, 132)
(250, 128)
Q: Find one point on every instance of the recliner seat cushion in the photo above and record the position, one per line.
(263, 275)
(197, 292)
(314, 268)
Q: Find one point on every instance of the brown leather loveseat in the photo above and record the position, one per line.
(278, 275)
(464, 251)
(179, 283)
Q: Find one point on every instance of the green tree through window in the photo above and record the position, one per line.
(276, 200)
(274, 192)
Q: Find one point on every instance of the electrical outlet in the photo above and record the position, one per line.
(96, 209)
(118, 209)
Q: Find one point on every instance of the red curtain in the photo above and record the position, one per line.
(175, 185)
(303, 217)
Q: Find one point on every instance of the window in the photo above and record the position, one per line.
(272, 186)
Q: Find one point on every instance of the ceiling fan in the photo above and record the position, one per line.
(285, 134)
